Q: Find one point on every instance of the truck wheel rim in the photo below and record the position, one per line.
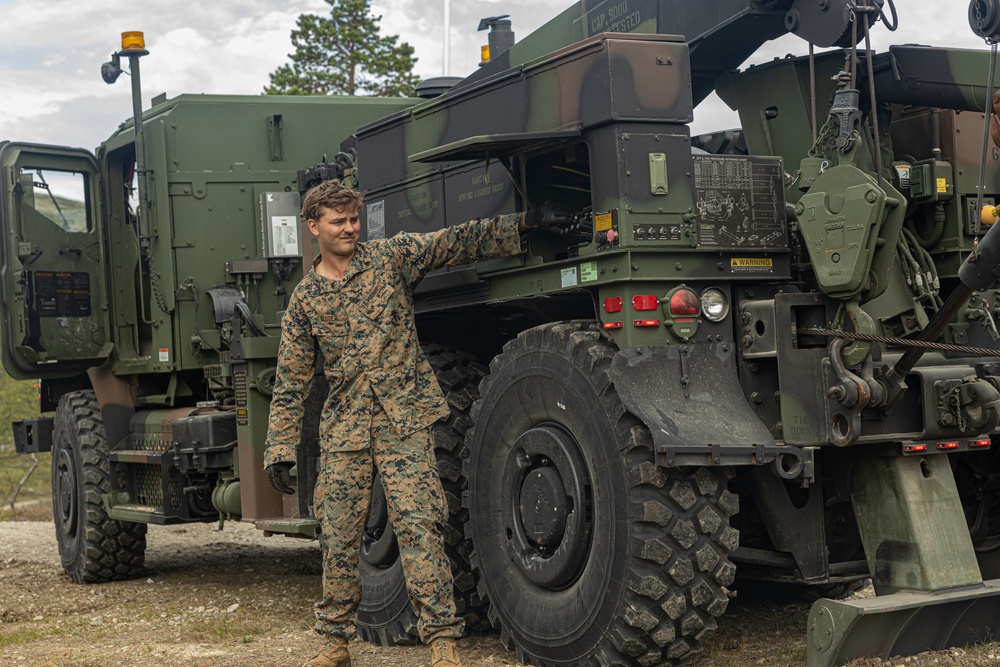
(66, 493)
(378, 541)
(547, 515)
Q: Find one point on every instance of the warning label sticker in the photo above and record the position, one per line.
(602, 222)
(903, 172)
(751, 265)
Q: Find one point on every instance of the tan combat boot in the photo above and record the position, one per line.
(333, 654)
(444, 653)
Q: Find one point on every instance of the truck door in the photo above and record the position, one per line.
(54, 296)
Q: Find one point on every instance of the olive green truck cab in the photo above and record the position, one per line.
(761, 360)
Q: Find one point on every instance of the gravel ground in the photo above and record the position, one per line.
(236, 598)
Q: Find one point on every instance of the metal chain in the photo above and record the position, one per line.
(154, 278)
(905, 342)
(957, 399)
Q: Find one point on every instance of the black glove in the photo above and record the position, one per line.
(277, 474)
(549, 217)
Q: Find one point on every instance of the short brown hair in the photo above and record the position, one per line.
(332, 195)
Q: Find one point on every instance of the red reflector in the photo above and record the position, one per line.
(646, 302)
(985, 442)
(947, 445)
(684, 302)
(646, 323)
(913, 449)
(613, 325)
(613, 304)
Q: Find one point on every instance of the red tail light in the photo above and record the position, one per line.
(684, 302)
(646, 302)
(984, 442)
(947, 445)
(646, 323)
(613, 325)
(914, 449)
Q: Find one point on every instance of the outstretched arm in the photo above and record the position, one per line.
(296, 359)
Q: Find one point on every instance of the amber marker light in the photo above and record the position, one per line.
(484, 53)
(989, 215)
(133, 41)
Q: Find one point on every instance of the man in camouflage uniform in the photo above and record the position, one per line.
(356, 306)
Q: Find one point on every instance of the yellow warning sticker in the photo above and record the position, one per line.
(602, 222)
(942, 184)
(751, 265)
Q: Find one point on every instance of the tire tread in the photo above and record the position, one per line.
(680, 538)
(110, 550)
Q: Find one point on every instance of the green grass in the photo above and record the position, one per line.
(227, 628)
(28, 635)
(19, 400)
(71, 214)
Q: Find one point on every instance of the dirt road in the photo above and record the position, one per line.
(236, 598)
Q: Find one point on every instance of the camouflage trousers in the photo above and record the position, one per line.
(416, 508)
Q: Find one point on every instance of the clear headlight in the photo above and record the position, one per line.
(714, 304)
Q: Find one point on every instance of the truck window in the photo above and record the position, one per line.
(59, 196)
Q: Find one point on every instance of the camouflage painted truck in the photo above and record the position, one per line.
(759, 356)
(144, 284)
(763, 360)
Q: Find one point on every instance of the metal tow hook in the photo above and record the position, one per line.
(851, 392)
(877, 390)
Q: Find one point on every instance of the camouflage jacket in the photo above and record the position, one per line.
(364, 327)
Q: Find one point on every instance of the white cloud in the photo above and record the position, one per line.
(51, 51)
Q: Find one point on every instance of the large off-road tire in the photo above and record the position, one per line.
(588, 553)
(93, 548)
(385, 615)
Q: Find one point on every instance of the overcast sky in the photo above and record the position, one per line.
(51, 51)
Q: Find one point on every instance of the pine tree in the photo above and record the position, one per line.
(345, 54)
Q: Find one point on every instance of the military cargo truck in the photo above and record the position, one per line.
(144, 284)
(758, 359)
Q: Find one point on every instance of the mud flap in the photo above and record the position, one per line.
(903, 623)
(690, 398)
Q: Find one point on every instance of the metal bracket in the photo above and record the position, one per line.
(685, 378)
(33, 435)
(788, 462)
